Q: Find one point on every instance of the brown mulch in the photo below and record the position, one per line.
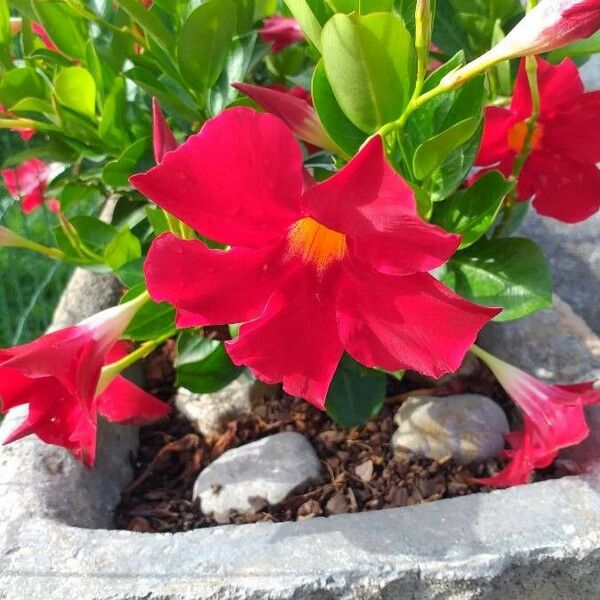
(360, 471)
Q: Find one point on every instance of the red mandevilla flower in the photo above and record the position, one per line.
(280, 32)
(39, 30)
(58, 375)
(313, 269)
(561, 172)
(554, 418)
(28, 183)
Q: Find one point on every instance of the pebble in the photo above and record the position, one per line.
(209, 413)
(270, 468)
(470, 428)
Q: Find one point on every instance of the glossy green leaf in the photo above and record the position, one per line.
(472, 212)
(75, 88)
(202, 365)
(123, 248)
(339, 128)
(157, 218)
(366, 6)
(511, 273)
(5, 35)
(356, 393)
(117, 172)
(149, 23)
(131, 273)
(204, 41)
(151, 321)
(22, 83)
(431, 154)
(370, 64)
(67, 29)
(304, 13)
(244, 11)
(113, 126)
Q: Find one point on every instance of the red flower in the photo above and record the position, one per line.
(294, 106)
(58, 375)
(163, 140)
(561, 172)
(554, 418)
(39, 30)
(280, 32)
(314, 269)
(28, 183)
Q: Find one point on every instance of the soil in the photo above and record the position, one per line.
(361, 472)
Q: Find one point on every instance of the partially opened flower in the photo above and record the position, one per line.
(39, 30)
(550, 25)
(560, 173)
(294, 106)
(163, 140)
(554, 418)
(313, 270)
(57, 376)
(28, 183)
(280, 32)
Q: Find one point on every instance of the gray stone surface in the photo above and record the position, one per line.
(555, 345)
(538, 542)
(38, 480)
(467, 427)
(270, 468)
(209, 413)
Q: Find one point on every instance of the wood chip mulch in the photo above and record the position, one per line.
(360, 471)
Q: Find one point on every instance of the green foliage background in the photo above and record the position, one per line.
(29, 284)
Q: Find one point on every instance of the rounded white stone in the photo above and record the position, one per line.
(467, 427)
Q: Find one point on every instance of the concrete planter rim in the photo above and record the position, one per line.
(535, 541)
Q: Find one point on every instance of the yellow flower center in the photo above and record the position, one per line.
(316, 243)
(518, 134)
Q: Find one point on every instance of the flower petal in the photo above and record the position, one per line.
(559, 85)
(211, 287)
(564, 189)
(295, 340)
(163, 140)
(411, 322)
(238, 181)
(378, 214)
(125, 402)
(280, 32)
(569, 132)
(494, 144)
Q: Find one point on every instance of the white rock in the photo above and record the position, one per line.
(270, 468)
(209, 413)
(467, 427)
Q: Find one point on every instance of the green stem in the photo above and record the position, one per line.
(11, 239)
(109, 372)
(75, 240)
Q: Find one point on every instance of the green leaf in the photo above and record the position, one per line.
(65, 27)
(472, 212)
(75, 88)
(244, 10)
(5, 36)
(113, 127)
(157, 218)
(366, 6)
(22, 83)
(117, 172)
(151, 321)
(305, 15)
(131, 273)
(431, 154)
(370, 64)
(356, 393)
(149, 23)
(204, 41)
(339, 128)
(202, 365)
(511, 273)
(123, 248)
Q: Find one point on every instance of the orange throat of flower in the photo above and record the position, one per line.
(315, 243)
(517, 136)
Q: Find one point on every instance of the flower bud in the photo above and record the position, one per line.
(550, 25)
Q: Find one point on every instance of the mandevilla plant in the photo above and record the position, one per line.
(339, 183)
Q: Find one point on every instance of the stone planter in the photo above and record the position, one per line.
(532, 542)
